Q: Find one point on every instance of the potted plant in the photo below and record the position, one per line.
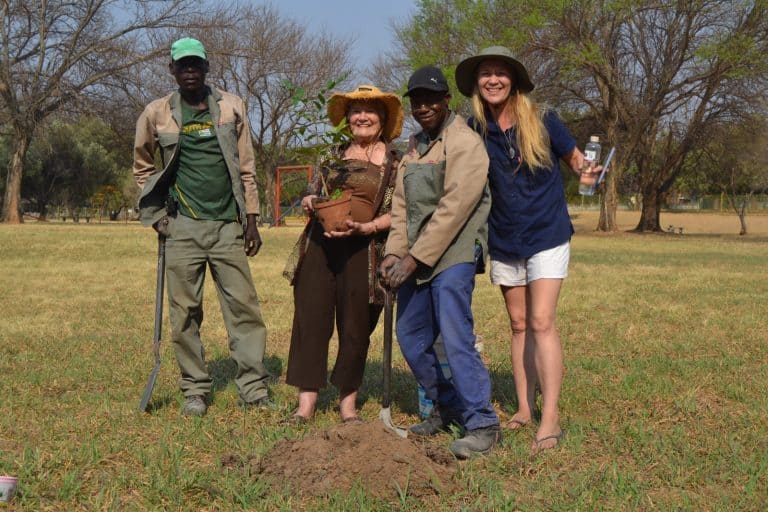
(332, 207)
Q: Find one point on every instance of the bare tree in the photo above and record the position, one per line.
(655, 76)
(262, 57)
(734, 162)
(54, 53)
(650, 75)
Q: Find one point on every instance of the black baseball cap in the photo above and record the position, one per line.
(429, 78)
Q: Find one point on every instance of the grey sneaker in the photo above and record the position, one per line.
(260, 403)
(480, 440)
(434, 423)
(194, 406)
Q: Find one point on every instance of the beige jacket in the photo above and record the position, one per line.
(157, 131)
(442, 200)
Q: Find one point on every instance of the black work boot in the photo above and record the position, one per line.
(435, 423)
(480, 440)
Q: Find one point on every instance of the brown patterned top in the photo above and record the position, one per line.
(366, 180)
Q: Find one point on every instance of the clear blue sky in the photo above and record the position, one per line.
(367, 21)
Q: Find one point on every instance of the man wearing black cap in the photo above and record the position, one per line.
(203, 199)
(439, 213)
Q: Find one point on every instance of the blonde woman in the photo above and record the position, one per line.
(529, 226)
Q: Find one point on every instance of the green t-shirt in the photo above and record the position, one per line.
(203, 188)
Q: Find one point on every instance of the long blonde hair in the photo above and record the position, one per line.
(531, 134)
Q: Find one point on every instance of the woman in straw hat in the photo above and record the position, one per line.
(529, 226)
(336, 275)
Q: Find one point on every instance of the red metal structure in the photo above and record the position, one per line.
(278, 186)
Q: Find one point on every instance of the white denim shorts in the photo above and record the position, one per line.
(548, 264)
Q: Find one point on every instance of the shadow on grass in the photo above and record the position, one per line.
(503, 389)
(159, 403)
(404, 393)
(223, 370)
(721, 237)
(677, 236)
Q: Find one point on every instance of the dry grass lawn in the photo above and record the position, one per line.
(693, 223)
(663, 401)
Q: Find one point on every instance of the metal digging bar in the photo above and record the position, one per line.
(384, 414)
(158, 321)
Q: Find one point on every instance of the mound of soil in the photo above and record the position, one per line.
(368, 454)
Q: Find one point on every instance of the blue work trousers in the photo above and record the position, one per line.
(444, 306)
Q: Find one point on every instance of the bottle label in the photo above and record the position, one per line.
(590, 154)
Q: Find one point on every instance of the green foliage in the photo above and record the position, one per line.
(107, 199)
(734, 160)
(320, 143)
(292, 186)
(67, 163)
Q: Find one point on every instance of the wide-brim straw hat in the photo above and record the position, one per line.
(393, 124)
(466, 71)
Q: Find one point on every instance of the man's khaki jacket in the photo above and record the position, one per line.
(157, 131)
(442, 200)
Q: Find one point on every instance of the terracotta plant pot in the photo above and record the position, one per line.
(334, 213)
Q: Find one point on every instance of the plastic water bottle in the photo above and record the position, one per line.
(425, 404)
(588, 180)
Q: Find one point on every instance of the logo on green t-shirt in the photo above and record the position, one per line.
(203, 186)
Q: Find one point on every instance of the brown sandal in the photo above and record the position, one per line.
(352, 420)
(537, 448)
(518, 424)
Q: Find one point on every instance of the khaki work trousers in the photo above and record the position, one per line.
(192, 246)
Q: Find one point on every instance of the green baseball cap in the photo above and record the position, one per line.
(187, 47)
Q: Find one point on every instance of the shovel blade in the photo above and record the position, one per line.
(386, 417)
(148, 390)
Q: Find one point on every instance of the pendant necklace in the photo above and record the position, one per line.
(510, 148)
(513, 155)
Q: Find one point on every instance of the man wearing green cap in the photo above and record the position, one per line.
(203, 199)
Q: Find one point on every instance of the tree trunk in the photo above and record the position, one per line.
(741, 211)
(743, 222)
(650, 214)
(12, 199)
(743, 215)
(609, 203)
(269, 195)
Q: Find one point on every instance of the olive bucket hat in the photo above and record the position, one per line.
(393, 124)
(466, 71)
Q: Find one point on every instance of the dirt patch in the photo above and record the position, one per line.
(365, 454)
